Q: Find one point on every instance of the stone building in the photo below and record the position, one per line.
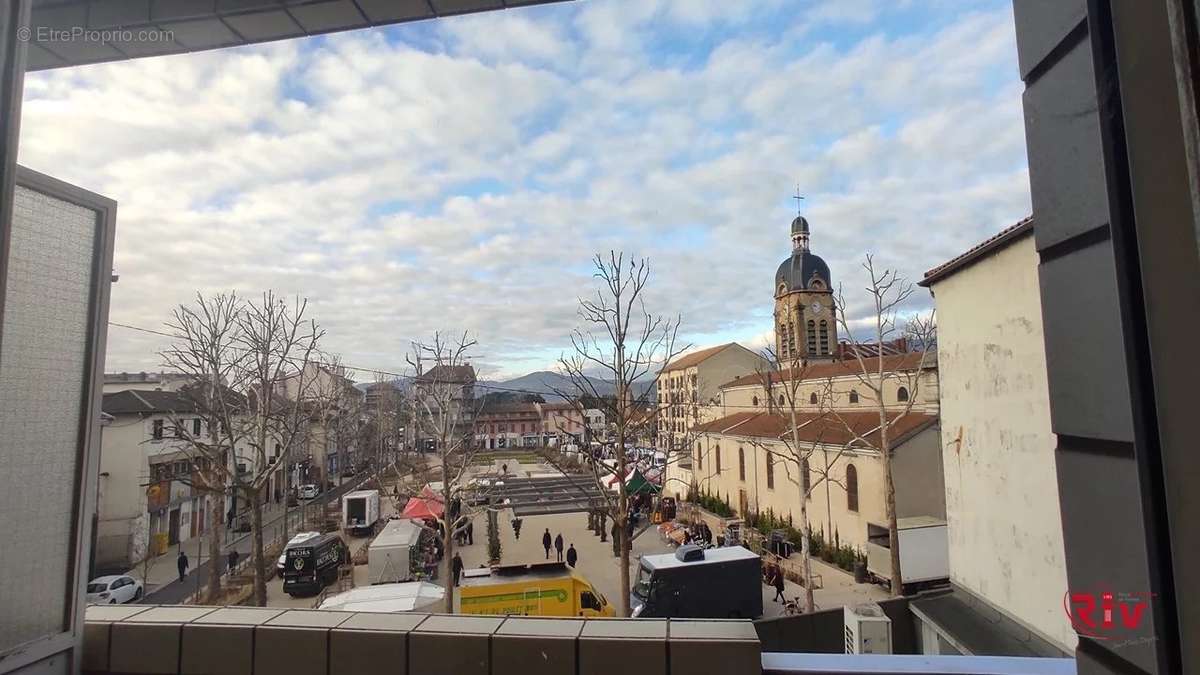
(1007, 566)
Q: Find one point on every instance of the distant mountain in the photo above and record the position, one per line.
(544, 382)
(550, 384)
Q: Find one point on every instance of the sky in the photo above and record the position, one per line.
(459, 174)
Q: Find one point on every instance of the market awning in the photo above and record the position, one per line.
(421, 509)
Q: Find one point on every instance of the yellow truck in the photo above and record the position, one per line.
(539, 589)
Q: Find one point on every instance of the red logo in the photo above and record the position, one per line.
(1105, 614)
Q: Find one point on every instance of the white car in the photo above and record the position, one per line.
(299, 538)
(309, 491)
(113, 590)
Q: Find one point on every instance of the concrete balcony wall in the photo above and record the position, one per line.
(159, 640)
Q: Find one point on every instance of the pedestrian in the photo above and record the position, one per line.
(470, 533)
(516, 523)
(229, 520)
(777, 582)
(233, 559)
(572, 556)
(546, 541)
(503, 469)
(456, 566)
(430, 565)
(558, 546)
(182, 563)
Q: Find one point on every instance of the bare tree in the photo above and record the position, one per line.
(782, 381)
(206, 349)
(623, 342)
(278, 344)
(444, 407)
(888, 291)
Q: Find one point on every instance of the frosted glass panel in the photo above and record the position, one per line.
(43, 371)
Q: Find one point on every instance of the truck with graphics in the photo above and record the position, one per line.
(538, 589)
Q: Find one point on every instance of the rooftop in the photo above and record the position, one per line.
(989, 245)
(697, 357)
(845, 368)
(827, 428)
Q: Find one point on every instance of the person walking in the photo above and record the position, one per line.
(456, 566)
(558, 546)
(546, 541)
(470, 533)
(572, 556)
(516, 523)
(182, 563)
(233, 560)
(777, 582)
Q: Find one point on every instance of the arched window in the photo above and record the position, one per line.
(851, 488)
(755, 401)
(824, 337)
(741, 464)
(781, 400)
(812, 398)
(901, 394)
(770, 471)
(805, 477)
(718, 450)
(812, 337)
(791, 342)
(853, 396)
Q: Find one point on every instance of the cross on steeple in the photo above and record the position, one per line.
(798, 197)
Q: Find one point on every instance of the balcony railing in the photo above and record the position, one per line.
(270, 641)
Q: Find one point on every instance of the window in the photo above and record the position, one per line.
(824, 336)
(770, 471)
(755, 401)
(812, 398)
(851, 488)
(196, 427)
(699, 457)
(588, 601)
(901, 394)
(781, 400)
(157, 431)
(718, 449)
(741, 464)
(853, 396)
(812, 337)
(805, 477)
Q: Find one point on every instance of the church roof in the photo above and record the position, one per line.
(895, 363)
(800, 268)
(842, 428)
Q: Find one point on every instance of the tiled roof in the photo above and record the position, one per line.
(847, 367)
(508, 409)
(981, 249)
(132, 402)
(689, 360)
(827, 428)
(457, 374)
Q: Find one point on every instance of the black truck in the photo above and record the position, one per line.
(715, 583)
(313, 565)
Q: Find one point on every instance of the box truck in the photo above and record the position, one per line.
(538, 589)
(715, 583)
(924, 552)
(360, 512)
(395, 553)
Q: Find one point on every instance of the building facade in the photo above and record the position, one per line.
(1007, 560)
(443, 404)
(509, 425)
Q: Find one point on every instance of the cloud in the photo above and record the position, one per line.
(460, 174)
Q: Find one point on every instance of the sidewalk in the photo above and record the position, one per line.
(162, 579)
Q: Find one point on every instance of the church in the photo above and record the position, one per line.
(805, 314)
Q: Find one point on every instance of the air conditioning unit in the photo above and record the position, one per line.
(868, 629)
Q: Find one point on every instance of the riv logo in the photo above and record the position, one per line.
(1105, 614)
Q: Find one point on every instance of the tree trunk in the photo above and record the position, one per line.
(217, 509)
(897, 585)
(623, 499)
(260, 561)
(447, 541)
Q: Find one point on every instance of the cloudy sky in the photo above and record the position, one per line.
(459, 174)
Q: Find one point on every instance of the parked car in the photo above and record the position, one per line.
(116, 589)
(309, 491)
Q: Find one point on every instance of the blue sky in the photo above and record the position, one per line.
(459, 174)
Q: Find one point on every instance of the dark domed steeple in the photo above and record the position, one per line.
(803, 267)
